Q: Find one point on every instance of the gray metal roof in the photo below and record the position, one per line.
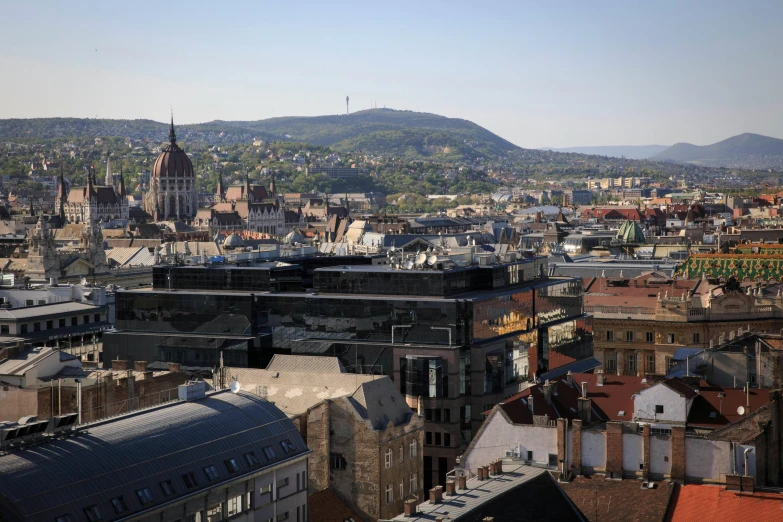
(118, 457)
(30, 312)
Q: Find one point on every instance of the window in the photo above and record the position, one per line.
(4, 329)
(97, 318)
(402, 455)
(611, 362)
(50, 325)
(234, 506)
(212, 472)
(119, 504)
(413, 448)
(42, 301)
(414, 484)
(304, 480)
(428, 438)
(696, 338)
(215, 513)
(61, 323)
(402, 490)
(337, 460)
(36, 327)
(145, 497)
(168, 488)
(92, 513)
(29, 302)
(658, 409)
(631, 363)
(446, 415)
(609, 335)
(670, 338)
(447, 439)
(74, 321)
(282, 516)
(86, 319)
(24, 328)
(649, 337)
(282, 483)
(251, 459)
(427, 414)
(530, 456)
(232, 466)
(436, 415)
(553, 460)
(190, 480)
(389, 493)
(266, 488)
(63, 518)
(287, 446)
(388, 458)
(629, 336)
(269, 452)
(437, 438)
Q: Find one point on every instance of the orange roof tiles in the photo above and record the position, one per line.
(714, 503)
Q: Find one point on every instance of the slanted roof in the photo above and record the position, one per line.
(678, 385)
(619, 500)
(125, 454)
(305, 363)
(714, 503)
(327, 506)
(520, 493)
(47, 309)
(21, 363)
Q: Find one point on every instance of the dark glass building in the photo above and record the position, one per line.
(456, 341)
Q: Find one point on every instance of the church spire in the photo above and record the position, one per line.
(220, 190)
(172, 134)
(272, 186)
(122, 184)
(248, 195)
(109, 178)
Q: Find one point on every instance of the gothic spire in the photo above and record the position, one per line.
(122, 184)
(62, 195)
(172, 134)
(272, 185)
(109, 178)
(220, 190)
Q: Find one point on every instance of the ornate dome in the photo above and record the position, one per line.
(234, 241)
(173, 162)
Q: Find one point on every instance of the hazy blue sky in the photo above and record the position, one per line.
(537, 73)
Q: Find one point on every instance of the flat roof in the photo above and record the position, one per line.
(29, 312)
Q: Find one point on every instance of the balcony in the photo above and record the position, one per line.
(621, 312)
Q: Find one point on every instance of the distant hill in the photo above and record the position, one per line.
(414, 135)
(748, 151)
(618, 151)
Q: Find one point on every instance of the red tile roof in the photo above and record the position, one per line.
(714, 503)
(723, 403)
(327, 506)
(618, 500)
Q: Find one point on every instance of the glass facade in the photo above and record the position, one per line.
(272, 277)
(423, 376)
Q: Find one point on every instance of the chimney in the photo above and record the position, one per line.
(419, 403)
(548, 389)
(462, 482)
(570, 378)
(119, 365)
(436, 495)
(599, 378)
(530, 404)
(584, 390)
(140, 366)
(409, 507)
(451, 488)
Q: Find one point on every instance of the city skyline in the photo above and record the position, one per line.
(538, 76)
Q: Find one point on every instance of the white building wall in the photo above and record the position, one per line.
(707, 459)
(594, 449)
(660, 455)
(674, 405)
(632, 452)
(499, 436)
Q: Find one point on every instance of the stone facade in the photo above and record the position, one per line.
(350, 456)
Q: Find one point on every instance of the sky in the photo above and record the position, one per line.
(554, 74)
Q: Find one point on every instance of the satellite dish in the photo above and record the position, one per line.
(421, 259)
(408, 264)
(235, 387)
(741, 410)
(432, 260)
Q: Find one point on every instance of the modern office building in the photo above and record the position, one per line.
(456, 335)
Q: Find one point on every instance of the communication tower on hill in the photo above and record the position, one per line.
(347, 112)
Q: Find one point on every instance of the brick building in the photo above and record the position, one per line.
(367, 444)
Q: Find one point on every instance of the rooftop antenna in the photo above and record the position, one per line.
(347, 112)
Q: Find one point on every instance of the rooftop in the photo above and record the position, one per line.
(520, 493)
(714, 503)
(29, 312)
(107, 459)
(619, 500)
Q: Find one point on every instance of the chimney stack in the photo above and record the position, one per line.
(599, 377)
(584, 390)
(530, 405)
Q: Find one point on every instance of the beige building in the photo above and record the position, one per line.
(640, 323)
(367, 444)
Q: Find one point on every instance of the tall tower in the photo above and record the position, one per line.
(347, 112)
(109, 178)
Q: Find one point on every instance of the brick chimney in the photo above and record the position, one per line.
(119, 365)
(451, 488)
(585, 405)
(409, 507)
(548, 389)
(436, 495)
(462, 482)
(174, 367)
(140, 366)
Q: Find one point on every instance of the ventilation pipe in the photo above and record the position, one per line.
(584, 390)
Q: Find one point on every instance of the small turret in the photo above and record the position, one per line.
(122, 185)
(272, 187)
(248, 195)
(221, 191)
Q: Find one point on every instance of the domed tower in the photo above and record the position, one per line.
(172, 193)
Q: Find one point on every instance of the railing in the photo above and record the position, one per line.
(114, 409)
(619, 310)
